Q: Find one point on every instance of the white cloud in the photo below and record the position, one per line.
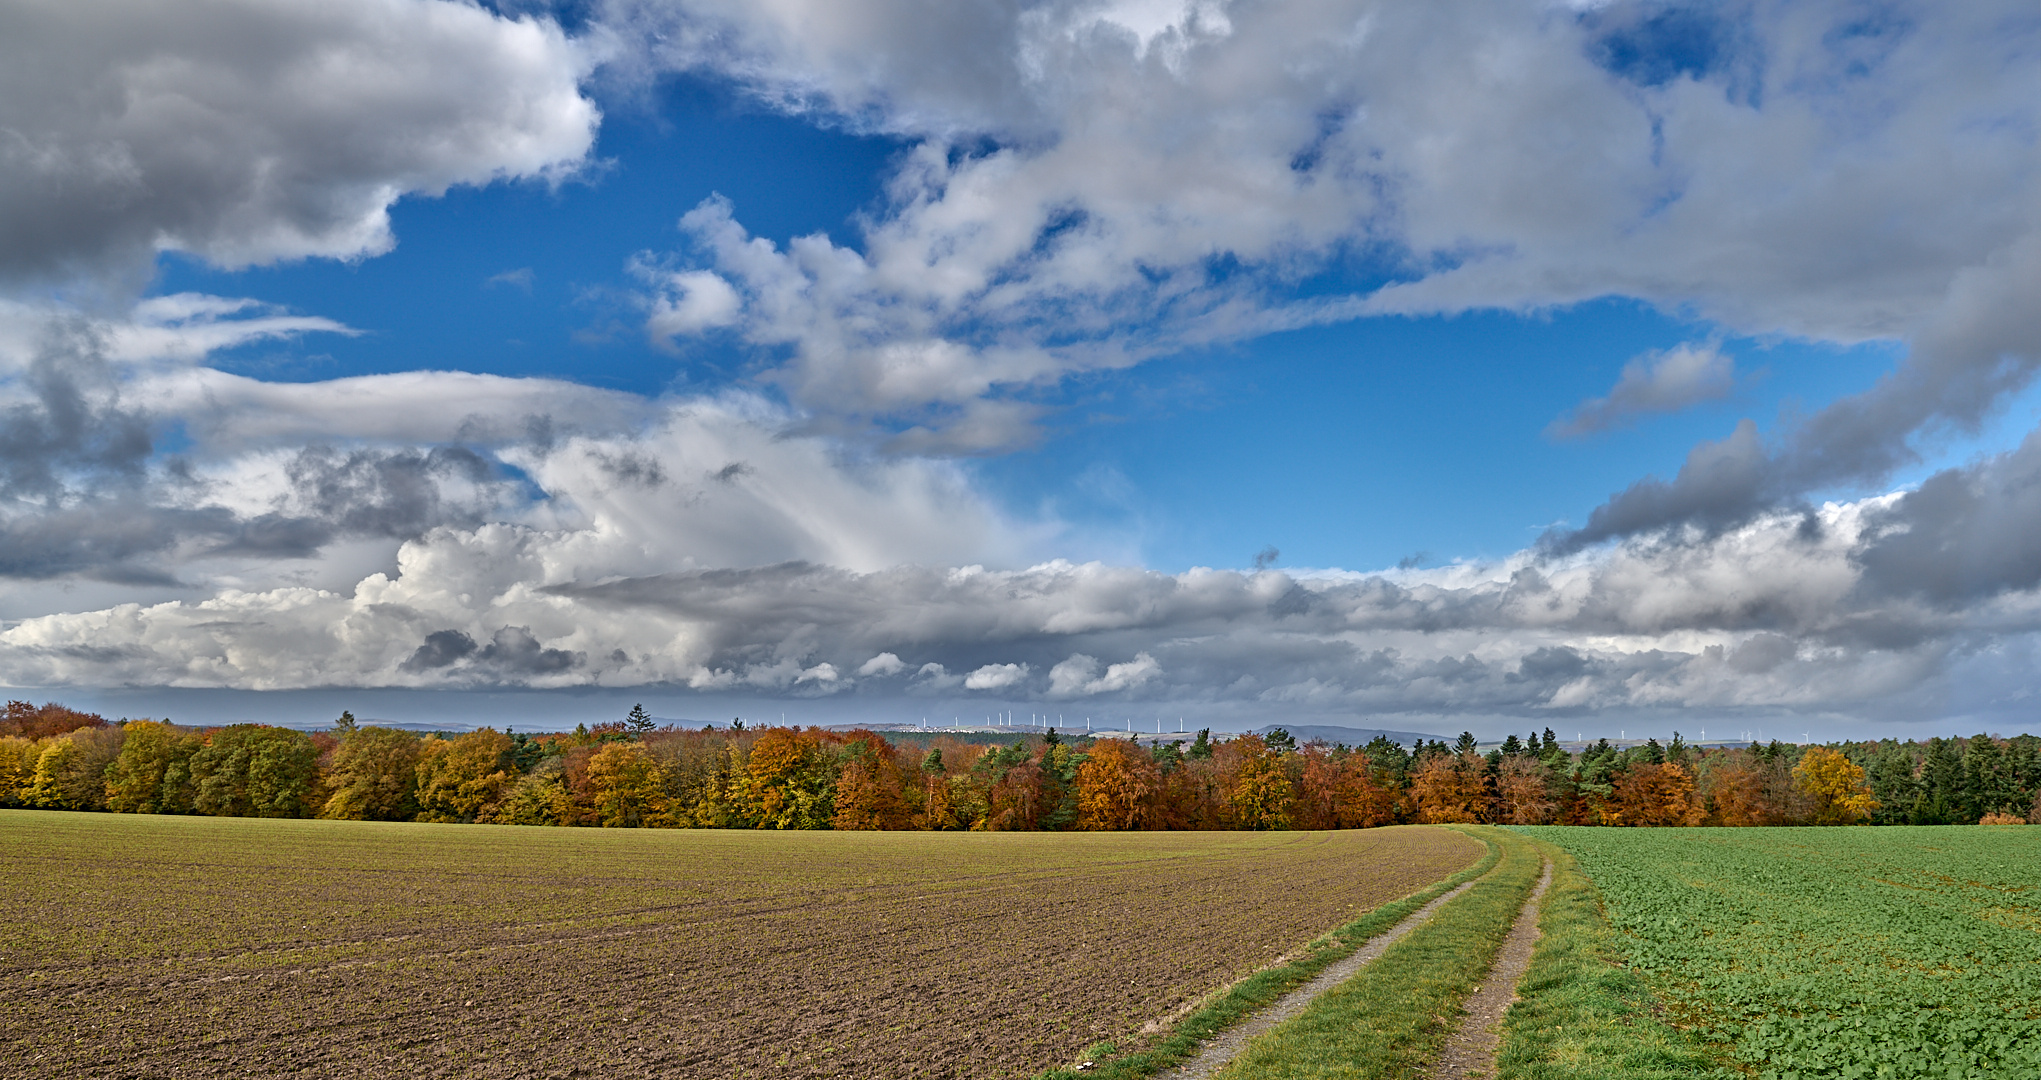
(689, 303)
(883, 664)
(995, 676)
(247, 132)
(1078, 676)
(1656, 382)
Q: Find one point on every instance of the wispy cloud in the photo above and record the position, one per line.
(1656, 382)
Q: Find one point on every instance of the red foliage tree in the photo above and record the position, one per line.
(40, 722)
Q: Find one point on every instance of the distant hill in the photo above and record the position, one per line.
(1351, 736)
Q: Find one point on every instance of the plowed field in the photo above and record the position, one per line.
(160, 946)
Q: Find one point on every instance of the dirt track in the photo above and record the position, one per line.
(223, 947)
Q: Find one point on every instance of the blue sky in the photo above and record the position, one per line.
(1613, 365)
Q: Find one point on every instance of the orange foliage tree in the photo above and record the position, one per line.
(1523, 795)
(870, 790)
(1447, 788)
(1116, 787)
(786, 783)
(1648, 794)
(1748, 790)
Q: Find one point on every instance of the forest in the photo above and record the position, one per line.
(631, 773)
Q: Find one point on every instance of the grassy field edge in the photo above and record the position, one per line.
(1232, 1004)
(1396, 1015)
(1582, 1015)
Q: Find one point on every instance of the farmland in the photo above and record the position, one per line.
(1896, 952)
(139, 945)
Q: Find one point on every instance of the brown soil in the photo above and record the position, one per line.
(215, 947)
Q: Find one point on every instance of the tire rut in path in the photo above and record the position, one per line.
(1471, 1051)
(1221, 1049)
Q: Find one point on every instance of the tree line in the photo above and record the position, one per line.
(629, 774)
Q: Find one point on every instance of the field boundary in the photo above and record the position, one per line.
(1392, 1019)
(1581, 1014)
(1215, 1053)
(1470, 1050)
(1234, 1004)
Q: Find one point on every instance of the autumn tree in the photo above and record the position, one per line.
(1015, 802)
(623, 783)
(1319, 776)
(538, 798)
(373, 775)
(1751, 786)
(1260, 794)
(17, 769)
(1448, 787)
(70, 769)
(1653, 794)
(870, 788)
(1116, 786)
(1523, 793)
(152, 775)
(1836, 785)
(938, 800)
(26, 721)
(787, 783)
(463, 778)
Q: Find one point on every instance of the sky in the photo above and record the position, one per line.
(1490, 365)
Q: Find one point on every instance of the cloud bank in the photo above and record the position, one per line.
(1086, 186)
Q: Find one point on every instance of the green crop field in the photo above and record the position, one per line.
(140, 945)
(1891, 952)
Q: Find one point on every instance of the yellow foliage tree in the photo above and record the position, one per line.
(1837, 786)
(1261, 793)
(462, 779)
(152, 775)
(17, 769)
(625, 783)
(374, 776)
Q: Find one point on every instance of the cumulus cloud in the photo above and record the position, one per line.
(1079, 677)
(1656, 382)
(995, 676)
(247, 132)
(1094, 185)
(883, 664)
(689, 303)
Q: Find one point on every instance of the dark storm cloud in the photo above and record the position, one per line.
(513, 650)
(383, 492)
(1963, 535)
(75, 427)
(441, 648)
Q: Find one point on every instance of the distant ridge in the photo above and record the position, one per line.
(1304, 733)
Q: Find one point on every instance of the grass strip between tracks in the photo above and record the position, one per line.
(1583, 1016)
(1396, 1015)
(1242, 999)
